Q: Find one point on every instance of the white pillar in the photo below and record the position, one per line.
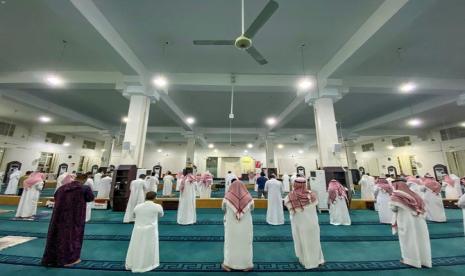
(270, 158)
(107, 149)
(136, 129)
(351, 155)
(190, 150)
(326, 132)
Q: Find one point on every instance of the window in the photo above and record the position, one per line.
(452, 133)
(45, 162)
(368, 147)
(401, 141)
(7, 129)
(54, 138)
(88, 144)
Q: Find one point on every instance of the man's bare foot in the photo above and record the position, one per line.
(74, 263)
(225, 268)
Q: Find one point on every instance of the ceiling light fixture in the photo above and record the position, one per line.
(249, 146)
(66, 144)
(54, 81)
(301, 151)
(414, 122)
(280, 146)
(190, 120)
(210, 146)
(407, 87)
(390, 147)
(215, 150)
(45, 119)
(462, 124)
(271, 121)
(246, 151)
(160, 82)
(304, 84)
(354, 152)
(159, 150)
(125, 119)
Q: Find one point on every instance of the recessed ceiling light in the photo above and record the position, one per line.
(407, 87)
(102, 150)
(160, 82)
(45, 119)
(414, 122)
(301, 151)
(215, 150)
(190, 120)
(66, 144)
(391, 147)
(462, 124)
(159, 150)
(249, 146)
(304, 84)
(246, 151)
(54, 81)
(354, 152)
(280, 146)
(125, 119)
(271, 121)
(210, 146)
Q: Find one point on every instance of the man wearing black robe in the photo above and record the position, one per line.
(66, 229)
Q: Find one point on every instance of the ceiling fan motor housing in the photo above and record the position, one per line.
(243, 42)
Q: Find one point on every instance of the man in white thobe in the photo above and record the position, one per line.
(274, 212)
(105, 187)
(27, 206)
(168, 184)
(139, 188)
(228, 179)
(286, 184)
(143, 252)
(366, 187)
(12, 188)
(60, 180)
(97, 178)
(153, 182)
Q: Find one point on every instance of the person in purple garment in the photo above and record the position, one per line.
(66, 229)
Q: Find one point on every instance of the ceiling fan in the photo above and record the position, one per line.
(244, 41)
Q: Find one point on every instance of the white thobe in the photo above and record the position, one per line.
(186, 209)
(366, 188)
(143, 252)
(413, 236)
(27, 206)
(227, 181)
(238, 238)
(383, 200)
(89, 182)
(105, 187)
(97, 178)
(138, 188)
(205, 190)
(168, 185)
(306, 236)
(274, 212)
(451, 191)
(293, 177)
(415, 187)
(461, 204)
(153, 183)
(178, 183)
(60, 180)
(338, 212)
(286, 185)
(434, 206)
(12, 188)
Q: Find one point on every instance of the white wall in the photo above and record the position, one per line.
(27, 144)
(427, 152)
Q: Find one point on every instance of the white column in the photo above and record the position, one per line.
(270, 158)
(107, 149)
(190, 150)
(136, 129)
(326, 132)
(351, 156)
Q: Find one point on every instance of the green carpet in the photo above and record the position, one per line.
(366, 243)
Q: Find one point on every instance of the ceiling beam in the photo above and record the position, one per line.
(405, 113)
(373, 24)
(36, 102)
(68, 129)
(96, 18)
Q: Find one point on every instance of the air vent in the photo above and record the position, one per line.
(88, 144)
(401, 141)
(452, 133)
(7, 129)
(368, 147)
(54, 138)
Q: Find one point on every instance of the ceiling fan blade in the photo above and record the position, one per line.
(256, 55)
(261, 19)
(213, 42)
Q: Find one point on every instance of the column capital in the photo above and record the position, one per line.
(140, 90)
(332, 93)
(188, 134)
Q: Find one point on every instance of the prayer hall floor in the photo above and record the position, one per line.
(362, 248)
